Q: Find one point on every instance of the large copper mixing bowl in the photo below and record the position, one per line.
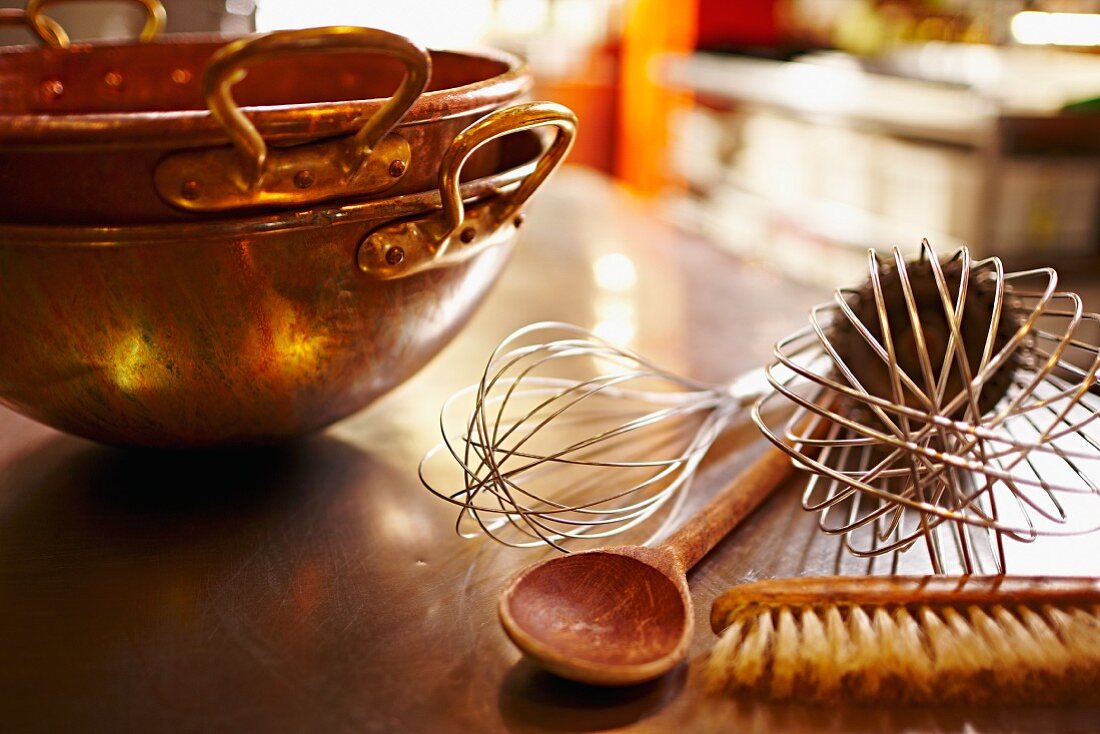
(186, 127)
(255, 329)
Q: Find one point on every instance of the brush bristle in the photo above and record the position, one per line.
(925, 654)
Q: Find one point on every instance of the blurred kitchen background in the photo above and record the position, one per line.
(796, 133)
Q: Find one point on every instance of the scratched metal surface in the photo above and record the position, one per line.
(317, 587)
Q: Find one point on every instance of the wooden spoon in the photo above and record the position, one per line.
(620, 616)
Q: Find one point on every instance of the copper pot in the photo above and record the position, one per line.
(251, 330)
(152, 131)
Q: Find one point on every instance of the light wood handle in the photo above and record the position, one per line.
(884, 591)
(729, 507)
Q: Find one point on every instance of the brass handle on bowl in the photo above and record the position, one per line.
(252, 174)
(47, 28)
(455, 232)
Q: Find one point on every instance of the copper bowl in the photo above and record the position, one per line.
(252, 330)
(152, 131)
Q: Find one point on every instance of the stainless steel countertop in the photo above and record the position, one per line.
(318, 587)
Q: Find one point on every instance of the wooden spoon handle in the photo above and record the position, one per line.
(730, 506)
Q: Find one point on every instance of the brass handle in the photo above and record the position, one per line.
(47, 28)
(225, 69)
(251, 175)
(503, 122)
(453, 233)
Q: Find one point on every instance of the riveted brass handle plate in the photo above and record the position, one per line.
(251, 174)
(54, 35)
(455, 233)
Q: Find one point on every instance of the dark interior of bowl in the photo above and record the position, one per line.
(167, 76)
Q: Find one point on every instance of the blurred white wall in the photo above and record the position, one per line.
(435, 23)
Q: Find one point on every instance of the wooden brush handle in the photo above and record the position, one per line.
(729, 507)
(875, 591)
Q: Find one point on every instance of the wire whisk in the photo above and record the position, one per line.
(939, 394)
(959, 395)
(571, 437)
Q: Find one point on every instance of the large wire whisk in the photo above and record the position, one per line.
(958, 395)
(937, 392)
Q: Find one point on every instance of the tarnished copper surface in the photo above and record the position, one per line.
(232, 331)
(318, 588)
(83, 128)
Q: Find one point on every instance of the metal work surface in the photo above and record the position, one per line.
(318, 587)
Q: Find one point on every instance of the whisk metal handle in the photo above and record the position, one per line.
(729, 507)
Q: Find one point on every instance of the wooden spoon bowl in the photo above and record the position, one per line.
(616, 616)
(621, 616)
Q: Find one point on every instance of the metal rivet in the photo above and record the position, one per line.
(191, 189)
(51, 89)
(467, 235)
(303, 179)
(395, 256)
(113, 79)
(181, 76)
(518, 221)
(397, 169)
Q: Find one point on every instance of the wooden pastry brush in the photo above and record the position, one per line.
(910, 640)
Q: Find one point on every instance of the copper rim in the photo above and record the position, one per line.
(275, 122)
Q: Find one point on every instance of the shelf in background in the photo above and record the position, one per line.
(809, 164)
(937, 112)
